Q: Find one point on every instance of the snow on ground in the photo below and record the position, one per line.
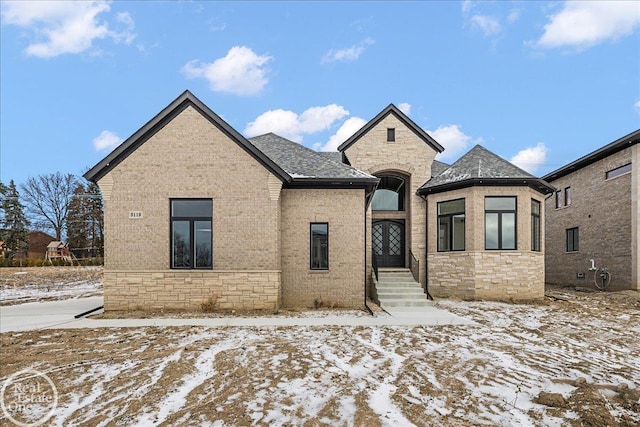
(53, 291)
(574, 362)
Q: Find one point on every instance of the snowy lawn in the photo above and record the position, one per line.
(21, 285)
(573, 362)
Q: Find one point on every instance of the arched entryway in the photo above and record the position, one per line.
(389, 220)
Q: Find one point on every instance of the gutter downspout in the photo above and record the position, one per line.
(426, 249)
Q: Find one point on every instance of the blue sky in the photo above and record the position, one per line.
(539, 83)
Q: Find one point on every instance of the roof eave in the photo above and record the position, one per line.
(599, 154)
(534, 183)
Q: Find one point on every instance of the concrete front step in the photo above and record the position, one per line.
(396, 288)
(415, 302)
(399, 290)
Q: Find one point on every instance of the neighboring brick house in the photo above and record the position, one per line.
(593, 215)
(38, 242)
(194, 210)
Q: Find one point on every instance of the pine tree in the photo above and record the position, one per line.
(96, 218)
(14, 223)
(77, 219)
(85, 219)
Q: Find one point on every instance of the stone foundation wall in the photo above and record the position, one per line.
(497, 276)
(187, 290)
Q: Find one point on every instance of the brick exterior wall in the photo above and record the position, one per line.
(602, 210)
(343, 283)
(476, 273)
(410, 156)
(190, 158)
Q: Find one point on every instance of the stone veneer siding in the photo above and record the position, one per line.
(602, 210)
(187, 290)
(190, 158)
(410, 156)
(476, 273)
(343, 283)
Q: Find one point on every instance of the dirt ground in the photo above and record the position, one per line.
(573, 359)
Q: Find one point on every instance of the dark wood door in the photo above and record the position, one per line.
(388, 242)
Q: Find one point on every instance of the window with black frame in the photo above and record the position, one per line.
(451, 225)
(319, 246)
(500, 222)
(536, 206)
(191, 233)
(572, 239)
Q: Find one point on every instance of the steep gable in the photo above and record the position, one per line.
(392, 109)
(185, 100)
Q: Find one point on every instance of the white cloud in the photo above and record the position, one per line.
(454, 141)
(348, 128)
(530, 159)
(293, 126)
(585, 24)
(65, 27)
(487, 24)
(405, 107)
(637, 106)
(513, 16)
(240, 72)
(106, 141)
(348, 54)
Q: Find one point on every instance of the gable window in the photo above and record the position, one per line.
(391, 134)
(535, 225)
(500, 222)
(451, 227)
(618, 171)
(390, 194)
(558, 199)
(191, 233)
(319, 248)
(567, 196)
(572, 239)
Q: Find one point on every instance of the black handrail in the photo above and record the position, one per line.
(414, 266)
(374, 264)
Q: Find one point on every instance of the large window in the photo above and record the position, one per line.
(567, 196)
(390, 194)
(451, 225)
(191, 233)
(572, 239)
(535, 225)
(558, 199)
(500, 223)
(319, 246)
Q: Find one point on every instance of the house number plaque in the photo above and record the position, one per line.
(135, 214)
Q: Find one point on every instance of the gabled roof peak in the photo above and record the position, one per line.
(165, 116)
(392, 109)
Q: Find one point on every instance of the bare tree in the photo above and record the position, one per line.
(47, 198)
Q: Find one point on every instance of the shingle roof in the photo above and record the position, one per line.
(303, 163)
(336, 156)
(438, 167)
(482, 167)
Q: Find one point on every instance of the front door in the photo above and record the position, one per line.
(388, 242)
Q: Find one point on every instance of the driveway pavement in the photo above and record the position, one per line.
(60, 315)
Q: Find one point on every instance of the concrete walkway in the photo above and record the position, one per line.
(60, 315)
